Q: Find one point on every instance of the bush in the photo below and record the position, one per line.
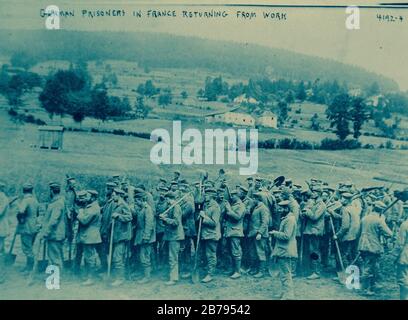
(119, 132)
(12, 112)
(298, 111)
(368, 146)
(335, 144)
(389, 145)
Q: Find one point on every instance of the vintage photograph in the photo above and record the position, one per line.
(203, 150)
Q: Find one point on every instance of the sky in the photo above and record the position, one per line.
(378, 46)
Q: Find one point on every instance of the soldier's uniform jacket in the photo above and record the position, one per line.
(123, 223)
(294, 207)
(173, 226)
(350, 224)
(106, 218)
(161, 206)
(314, 212)
(4, 225)
(402, 243)
(188, 218)
(70, 197)
(233, 225)
(27, 215)
(150, 201)
(211, 226)
(285, 245)
(372, 227)
(145, 231)
(89, 224)
(55, 220)
(259, 221)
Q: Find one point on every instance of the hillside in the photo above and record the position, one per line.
(155, 50)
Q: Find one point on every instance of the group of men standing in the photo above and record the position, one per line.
(132, 232)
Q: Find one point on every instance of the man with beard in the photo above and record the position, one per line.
(285, 249)
(27, 215)
(89, 218)
(173, 235)
(145, 235)
(234, 230)
(258, 235)
(210, 231)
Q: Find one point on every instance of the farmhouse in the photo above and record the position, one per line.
(230, 117)
(268, 120)
(242, 99)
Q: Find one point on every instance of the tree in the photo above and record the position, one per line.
(315, 122)
(147, 89)
(373, 89)
(100, 106)
(22, 60)
(58, 90)
(14, 90)
(290, 96)
(338, 114)
(283, 111)
(165, 99)
(184, 94)
(359, 114)
(301, 92)
(141, 109)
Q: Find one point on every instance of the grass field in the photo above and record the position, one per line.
(92, 158)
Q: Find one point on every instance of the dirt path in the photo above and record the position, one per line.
(223, 288)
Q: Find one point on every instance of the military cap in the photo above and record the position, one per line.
(163, 180)
(258, 178)
(242, 188)
(250, 178)
(233, 192)
(221, 170)
(55, 185)
(138, 190)
(343, 190)
(171, 195)
(329, 189)
(210, 190)
(347, 195)
(163, 188)
(297, 186)
(28, 186)
(284, 203)
(173, 183)
(318, 189)
(93, 192)
(119, 191)
(177, 171)
(70, 179)
(379, 205)
(111, 184)
(82, 194)
(288, 180)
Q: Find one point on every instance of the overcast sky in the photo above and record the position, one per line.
(378, 46)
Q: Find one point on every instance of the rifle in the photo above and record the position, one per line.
(110, 250)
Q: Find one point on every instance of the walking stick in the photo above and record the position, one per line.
(341, 275)
(302, 239)
(196, 274)
(110, 249)
(30, 280)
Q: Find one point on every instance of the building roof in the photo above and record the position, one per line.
(221, 112)
(51, 128)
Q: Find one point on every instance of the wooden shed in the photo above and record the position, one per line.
(50, 137)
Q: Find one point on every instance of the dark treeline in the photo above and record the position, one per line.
(155, 50)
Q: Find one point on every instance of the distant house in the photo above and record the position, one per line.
(268, 120)
(230, 117)
(242, 99)
(375, 100)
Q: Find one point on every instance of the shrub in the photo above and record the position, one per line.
(335, 144)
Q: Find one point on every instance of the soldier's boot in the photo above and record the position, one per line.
(262, 270)
(207, 278)
(120, 279)
(254, 269)
(237, 270)
(403, 292)
(315, 273)
(146, 276)
(28, 266)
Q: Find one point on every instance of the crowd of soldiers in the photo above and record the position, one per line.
(135, 232)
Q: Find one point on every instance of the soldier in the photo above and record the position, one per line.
(159, 248)
(55, 225)
(89, 218)
(285, 249)
(145, 235)
(122, 233)
(103, 247)
(250, 188)
(177, 176)
(4, 228)
(372, 227)
(234, 230)
(188, 219)
(173, 235)
(258, 235)
(314, 229)
(210, 231)
(349, 229)
(28, 211)
(402, 261)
